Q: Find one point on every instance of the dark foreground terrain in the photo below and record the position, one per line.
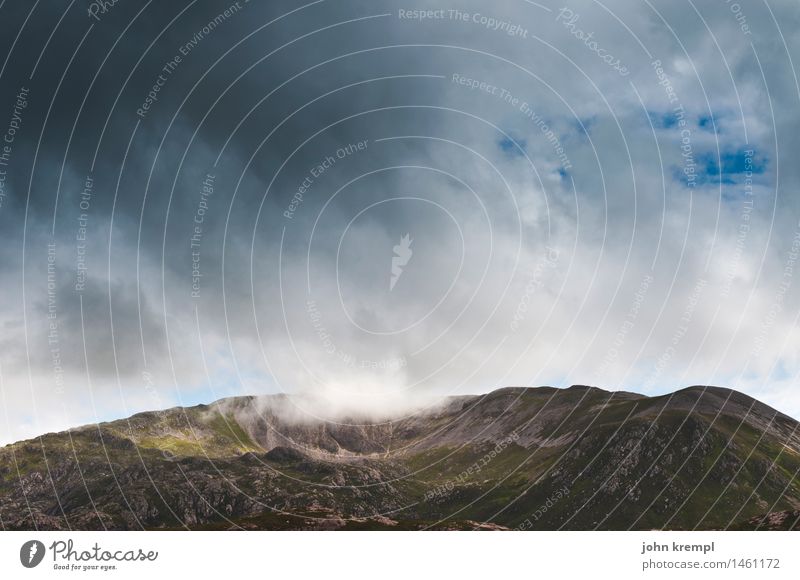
(529, 458)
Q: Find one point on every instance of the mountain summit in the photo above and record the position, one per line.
(524, 458)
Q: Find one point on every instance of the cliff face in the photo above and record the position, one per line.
(532, 458)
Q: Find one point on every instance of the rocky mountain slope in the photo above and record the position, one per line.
(525, 458)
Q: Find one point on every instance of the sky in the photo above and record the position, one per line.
(373, 204)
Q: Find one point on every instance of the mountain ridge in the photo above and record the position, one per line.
(701, 457)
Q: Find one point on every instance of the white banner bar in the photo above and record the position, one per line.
(355, 555)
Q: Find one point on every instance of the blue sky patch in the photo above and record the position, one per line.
(584, 126)
(662, 120)
(707, 123)
(730, 167)
(512, 149)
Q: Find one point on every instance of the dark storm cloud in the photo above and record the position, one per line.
(532, 182)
